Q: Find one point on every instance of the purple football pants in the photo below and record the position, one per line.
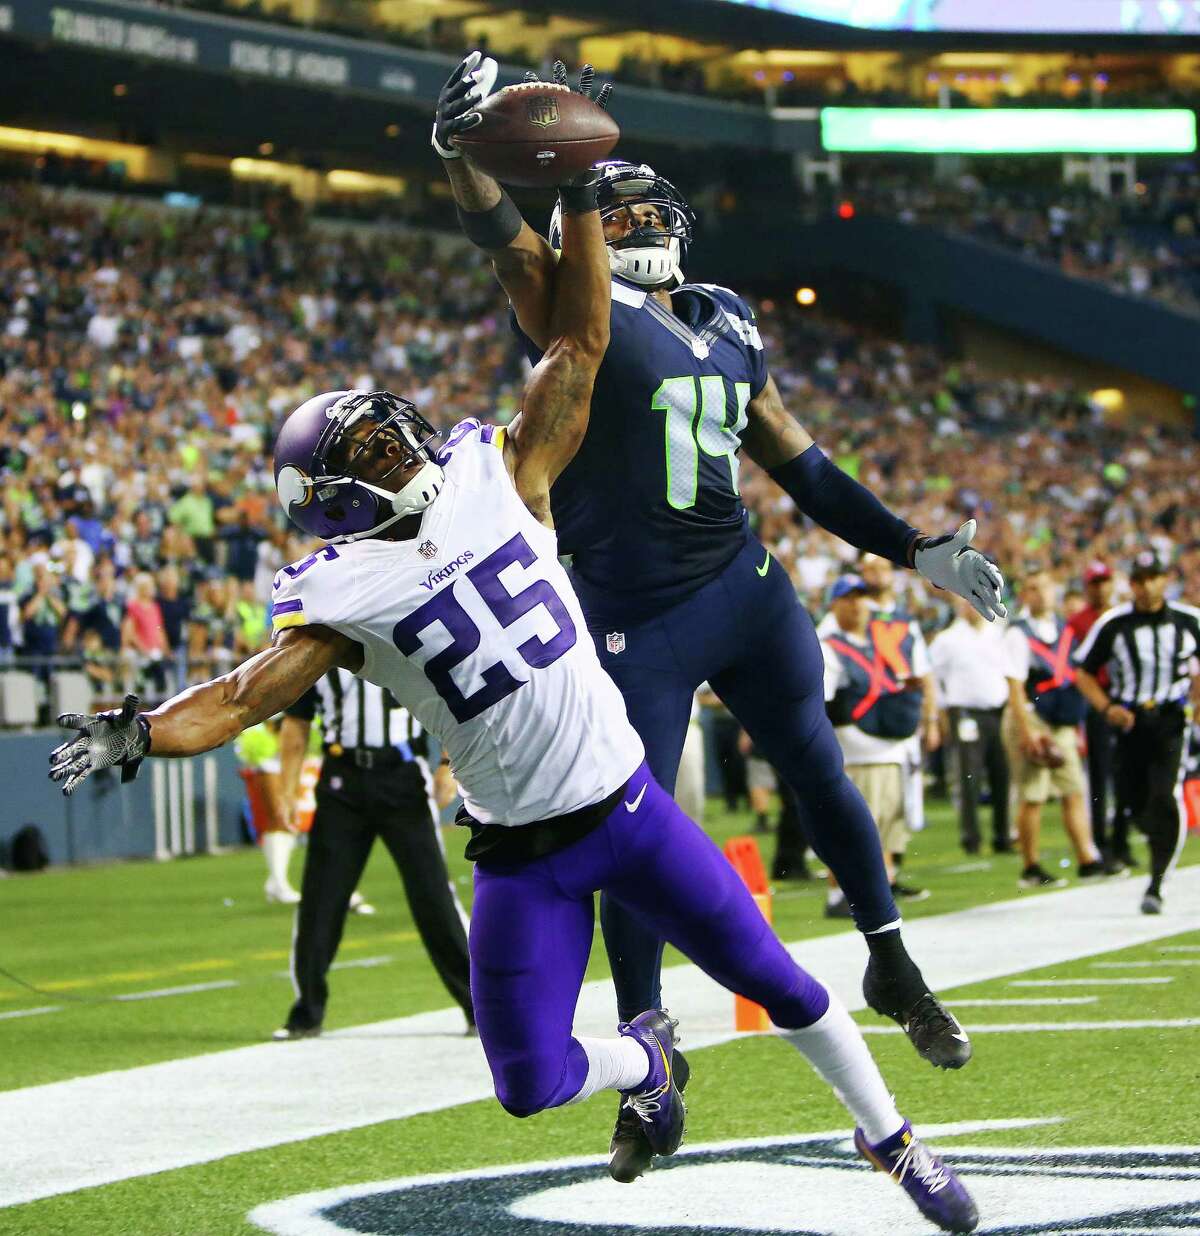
(532, 928)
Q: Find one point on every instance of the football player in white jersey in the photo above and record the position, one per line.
(440, 581)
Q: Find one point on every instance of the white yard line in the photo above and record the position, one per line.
(1146, 965)
(1023, 1002)
(45, 1008)
(189, 989)
(1179, 948)
(1092, 982)
(113, 1126)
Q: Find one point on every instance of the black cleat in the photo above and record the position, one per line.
(931, 1029)
(629, 1151)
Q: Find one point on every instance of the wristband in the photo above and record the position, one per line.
(495, 228)
(579, 199)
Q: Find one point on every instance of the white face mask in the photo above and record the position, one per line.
(649, 266)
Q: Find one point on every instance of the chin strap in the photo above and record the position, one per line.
(416, 496)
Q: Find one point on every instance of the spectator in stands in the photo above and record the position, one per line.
(9, 610)
(144, 643)
(193, 513)
(43, 613)
(174, 607)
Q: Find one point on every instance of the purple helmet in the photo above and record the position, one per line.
(317, 457)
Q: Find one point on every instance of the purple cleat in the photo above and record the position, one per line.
(937, 1191)
(658, 1103)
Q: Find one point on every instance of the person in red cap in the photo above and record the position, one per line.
(1098, 591)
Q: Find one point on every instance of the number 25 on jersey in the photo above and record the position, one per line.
(465, 635)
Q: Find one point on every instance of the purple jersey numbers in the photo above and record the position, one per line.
(325, 554)
(507, 607)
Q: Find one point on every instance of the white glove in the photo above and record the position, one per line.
(466, 88)
(949, 562)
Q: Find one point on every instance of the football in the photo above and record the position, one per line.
(538, 134)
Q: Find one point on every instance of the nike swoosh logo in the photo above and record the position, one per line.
(637, 802)
(766, 566)
(962, 1038)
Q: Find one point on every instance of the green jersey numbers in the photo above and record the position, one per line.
(699, 417)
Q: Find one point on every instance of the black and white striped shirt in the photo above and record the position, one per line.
(356, 714)
(1151, 657)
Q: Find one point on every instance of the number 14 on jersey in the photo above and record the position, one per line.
(699, 418)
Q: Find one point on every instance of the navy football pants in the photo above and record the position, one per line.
(748, 636)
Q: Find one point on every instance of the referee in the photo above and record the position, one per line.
(375, 782)
(1149, 648)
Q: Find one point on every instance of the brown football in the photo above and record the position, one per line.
(537, 134)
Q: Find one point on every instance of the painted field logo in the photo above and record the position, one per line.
(805, 1186)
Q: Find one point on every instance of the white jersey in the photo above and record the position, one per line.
(474, 627)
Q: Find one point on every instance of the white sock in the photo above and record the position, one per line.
(834, 1046)
(834, 897)
(277, 851)
(613, 1064)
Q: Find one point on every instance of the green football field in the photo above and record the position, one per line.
(179, 965)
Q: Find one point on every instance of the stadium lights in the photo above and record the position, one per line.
(1043, 130)
(806, 297)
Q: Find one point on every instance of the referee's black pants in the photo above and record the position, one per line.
(1100, 739)
(1148, 765)
(354, 806)
(975, 757)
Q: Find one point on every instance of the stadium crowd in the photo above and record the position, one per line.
(1144, 245)
(148, 355)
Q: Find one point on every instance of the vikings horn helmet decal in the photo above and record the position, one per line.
(321, 451)
(650, 257)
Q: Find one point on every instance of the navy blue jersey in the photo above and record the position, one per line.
(649, 508)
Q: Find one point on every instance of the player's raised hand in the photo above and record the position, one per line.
(457, 105)
(949, 562)
(587, 77)
(103, 739)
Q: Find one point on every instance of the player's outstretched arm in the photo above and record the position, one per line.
(836, 501)
(205, 716)
(523, 261)
(544, 437)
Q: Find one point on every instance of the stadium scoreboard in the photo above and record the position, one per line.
(1114, 17)
(1008, 131)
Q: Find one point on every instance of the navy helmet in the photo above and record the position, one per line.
(320, 460)
(652, 257)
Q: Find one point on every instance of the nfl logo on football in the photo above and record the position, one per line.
(427, 549)
(615, 642)
(543, 111)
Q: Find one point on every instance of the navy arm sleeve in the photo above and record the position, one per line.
(836, 501)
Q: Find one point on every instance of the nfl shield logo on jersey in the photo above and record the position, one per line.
(615, 642)
(427, 549)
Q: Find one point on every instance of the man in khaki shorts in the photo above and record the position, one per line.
(874, 698)
(1041, 731)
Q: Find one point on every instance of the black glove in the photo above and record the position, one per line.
(587, 75)
(105, 739)
(464, 90)
(578, 194)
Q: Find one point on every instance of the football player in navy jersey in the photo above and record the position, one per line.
(675, 587)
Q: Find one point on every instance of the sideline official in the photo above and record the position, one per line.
(1149, 648)
(375, 782)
